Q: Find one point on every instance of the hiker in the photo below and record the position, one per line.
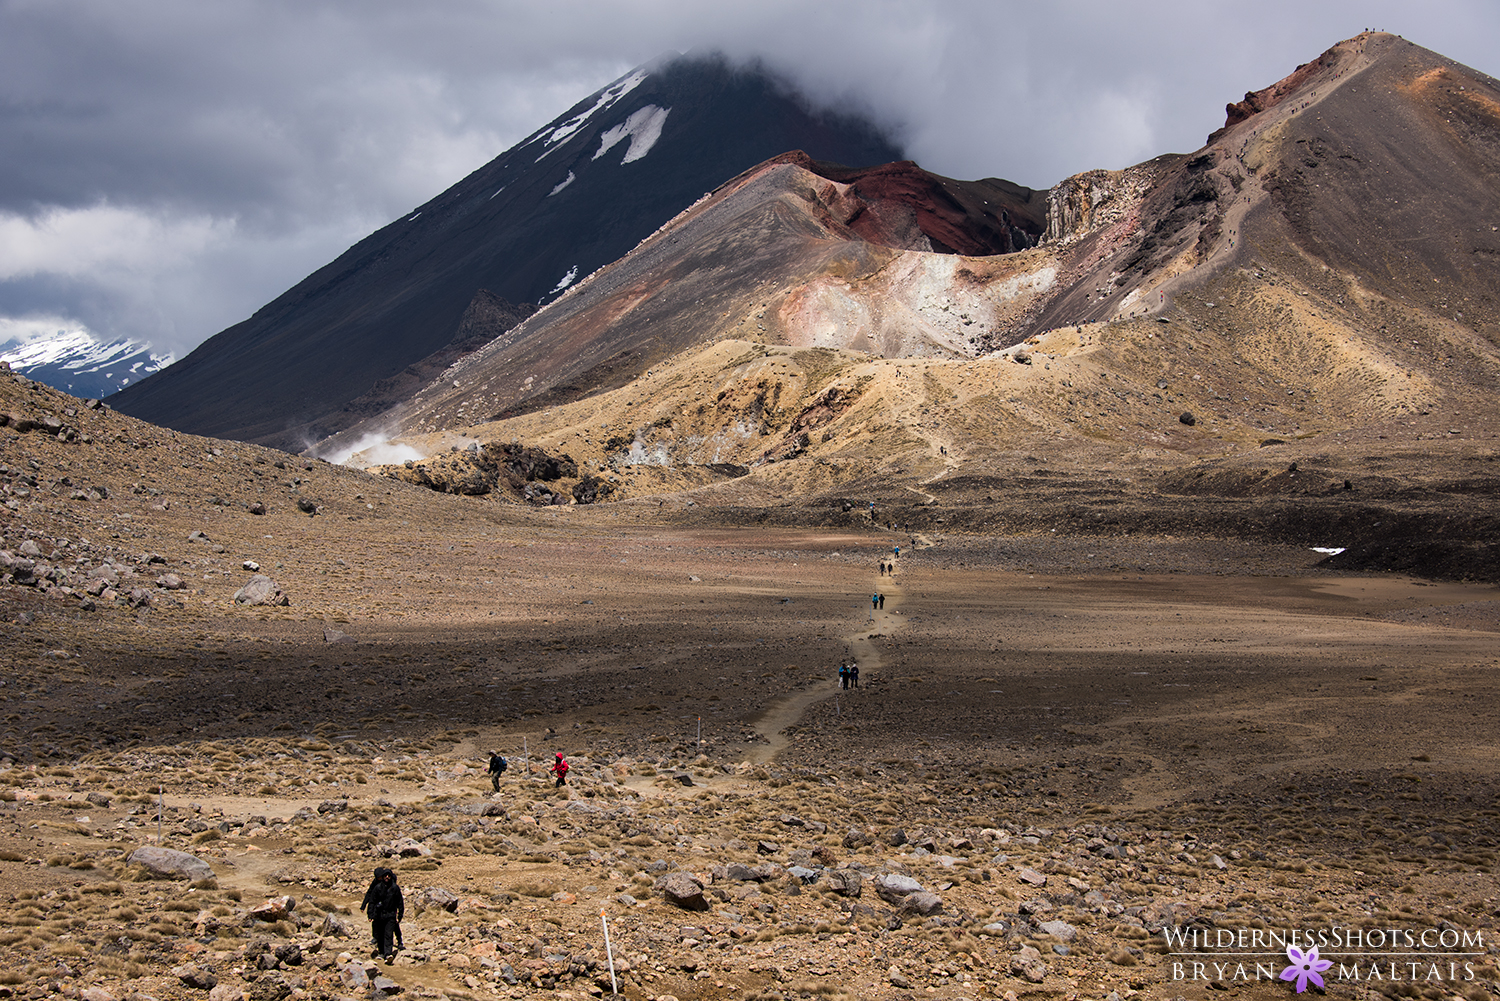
(874, 602)
(560, 769)
(853, 675)
(843, 675)
(498, 765)
(881, 604)
(385, 908)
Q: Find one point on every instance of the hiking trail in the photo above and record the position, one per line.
(785, 713)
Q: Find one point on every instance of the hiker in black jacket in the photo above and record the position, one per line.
(497, 768)
(386, 908)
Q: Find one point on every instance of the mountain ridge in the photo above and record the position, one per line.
(517, 226)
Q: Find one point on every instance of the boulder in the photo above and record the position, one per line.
(895, 837)
(410, 848)
(354, 977)
(1028, 965)
(169, 863)
(435, 897)
(923, 902)
(1030, 876)
(894, 888)
(261, 590)
(1059, 930)
(384, 987)
(332, 635)
(334, 925)
(846, 882)
(856, 838)
(681, 890)
(195, 976)
(275, 909)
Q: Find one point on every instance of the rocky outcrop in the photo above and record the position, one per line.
(476, 471)
(903, 206)
(1093, 200)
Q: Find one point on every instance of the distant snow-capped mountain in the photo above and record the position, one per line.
(79, 363)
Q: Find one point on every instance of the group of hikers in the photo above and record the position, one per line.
(383, 903)
(498, 765)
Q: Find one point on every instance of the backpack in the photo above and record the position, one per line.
(503, 766)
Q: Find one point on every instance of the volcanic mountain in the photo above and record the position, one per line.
(575, 195)
(1318, 280)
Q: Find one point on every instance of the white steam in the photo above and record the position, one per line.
(373, 450)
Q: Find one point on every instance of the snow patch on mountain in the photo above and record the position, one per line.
(77, 362)
(561, 184)
(643, 127)
(565, 281)
(606, 97)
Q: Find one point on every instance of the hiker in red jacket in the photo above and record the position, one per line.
(560, 769)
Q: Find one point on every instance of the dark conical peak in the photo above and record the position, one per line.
(573, 196)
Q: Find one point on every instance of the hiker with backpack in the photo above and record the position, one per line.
(497, 769)
(560, 769)
(385, 907)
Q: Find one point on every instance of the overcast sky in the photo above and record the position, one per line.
(169, 166)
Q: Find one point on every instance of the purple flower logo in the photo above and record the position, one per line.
(1305, 966)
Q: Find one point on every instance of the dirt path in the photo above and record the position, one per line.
(784, 714)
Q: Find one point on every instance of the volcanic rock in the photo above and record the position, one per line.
(169, 863)
(261, 590)
(682, 890)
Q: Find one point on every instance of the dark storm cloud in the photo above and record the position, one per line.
(167, 167)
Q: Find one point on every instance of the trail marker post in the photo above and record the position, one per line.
(614, 985)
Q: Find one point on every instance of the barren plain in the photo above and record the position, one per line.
(1075, 745)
